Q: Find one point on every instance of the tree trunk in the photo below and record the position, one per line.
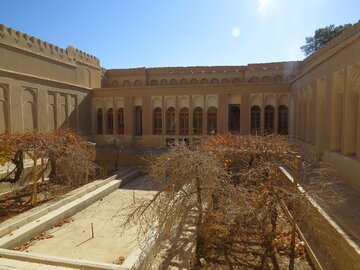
(52, 174)
(18, 160)
(199, 201)
(34, 195)
(42, 170)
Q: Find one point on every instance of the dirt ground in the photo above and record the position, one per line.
(246, 251)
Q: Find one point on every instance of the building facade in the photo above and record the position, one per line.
(316, 101)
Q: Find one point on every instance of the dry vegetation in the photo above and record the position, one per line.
(65, 155)
(239, 193)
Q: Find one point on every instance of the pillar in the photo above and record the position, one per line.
(276, 114)
(128, 116)
(223, 114)
(245, 114)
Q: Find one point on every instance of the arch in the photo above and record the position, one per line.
(99, 121)
(120, 121)
(115, 84)
(255, 121)
(236, 81)
(198, 121)
(169, 102)
(269, 119)
(163, 82)
(278, 78)
(211, 101)
(110, 121)
(126, 83)
(157, 121)
(156, 102)
(29, 109)
(270, 100)
(256, 100)
(214, 81)
(284, 99)
(72, 115)
(183, 82)
(173, 82)
(198, 101)
(4, 110)
(193, 81)
(184, 121)
(234, 118)
(62, 111)
(51, 111)
(266, 79)
(254, 79)
(154, 82)
(138, 83)
(225, 81)
(204, 81)
(283, 120)
(212, 121)
(170, 121)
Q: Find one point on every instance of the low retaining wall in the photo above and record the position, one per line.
(333, 247)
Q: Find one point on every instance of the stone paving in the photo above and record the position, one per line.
(74, 239)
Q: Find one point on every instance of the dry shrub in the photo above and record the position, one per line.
(70, 156)
(238, 190)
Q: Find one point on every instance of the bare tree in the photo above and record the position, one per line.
(238, 191)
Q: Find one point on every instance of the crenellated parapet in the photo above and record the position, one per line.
(23, 41)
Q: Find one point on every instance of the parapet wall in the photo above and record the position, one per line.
(31, 44)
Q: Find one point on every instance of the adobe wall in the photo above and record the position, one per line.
(43, 86)
(218, 87)
(327, 103)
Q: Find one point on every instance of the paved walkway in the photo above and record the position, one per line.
(74, 239)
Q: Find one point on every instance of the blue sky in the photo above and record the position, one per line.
(157, 33)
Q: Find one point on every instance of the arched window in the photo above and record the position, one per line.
(234, 118)
(204, 81)
(254, 79)
(110, 121)
(154, 82)
(99, 121)
(225, 81)
(198, 121)
(126, 83)
(157, 121)
(269, 119)
(163, 82)
(183, 82)
(211, 120)
(283, 120)
(214, 81)
(255, 118)
(184, 121)
(115, 84)
(120, 127)
(170, 121)
(173, 82)
(236, 80)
